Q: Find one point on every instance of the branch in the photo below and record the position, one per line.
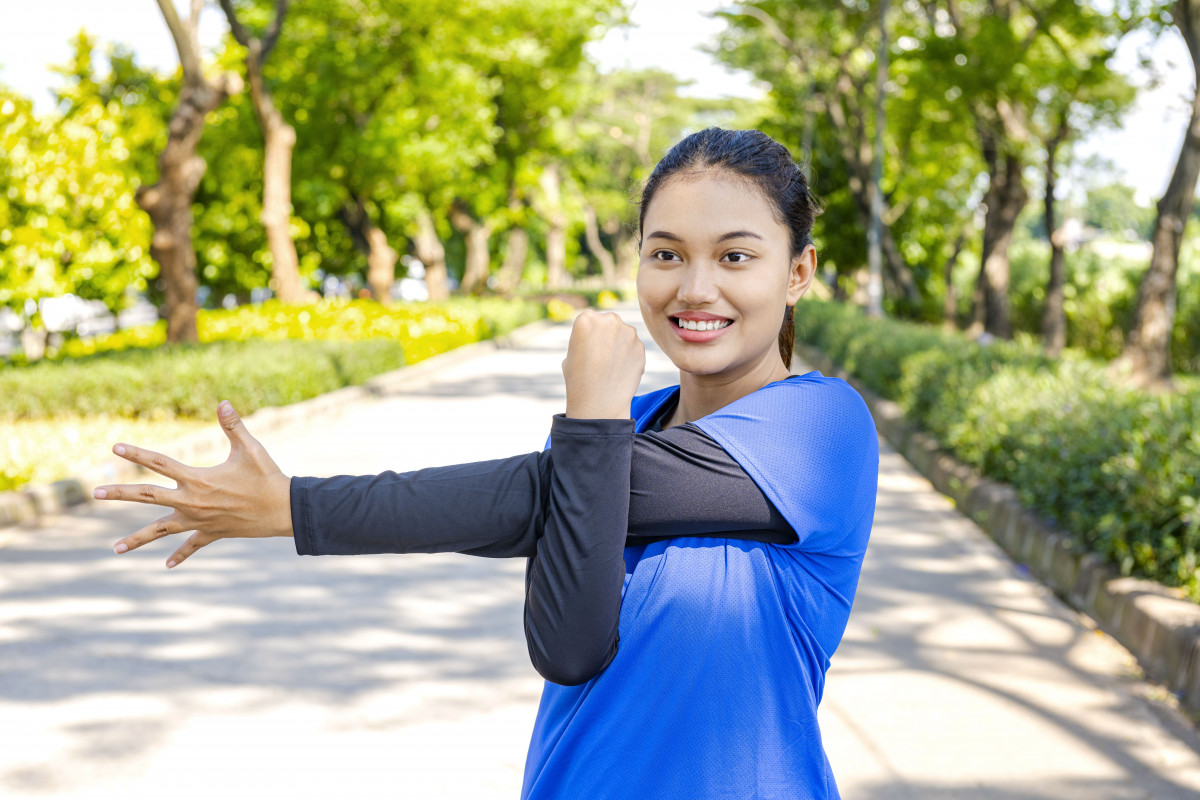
(955, 20)
(185, 43)
(272, 35)
(1184, 14)
(239, 30)
(1044, 28)
(768, 22)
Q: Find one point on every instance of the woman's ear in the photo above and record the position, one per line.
(804, 267)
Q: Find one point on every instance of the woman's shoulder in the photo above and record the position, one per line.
(807, 393)
(809, 408)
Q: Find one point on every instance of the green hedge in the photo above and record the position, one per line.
(289, 354)
(1115, 467)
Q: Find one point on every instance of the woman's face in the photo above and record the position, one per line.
(713, 256)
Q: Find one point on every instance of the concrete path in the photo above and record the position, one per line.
(250, 672)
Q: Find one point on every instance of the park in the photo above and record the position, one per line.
(370, 227)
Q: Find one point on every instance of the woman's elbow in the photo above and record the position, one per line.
(572, 666)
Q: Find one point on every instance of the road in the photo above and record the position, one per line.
(251, 672)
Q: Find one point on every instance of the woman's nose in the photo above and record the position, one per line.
(697, 285)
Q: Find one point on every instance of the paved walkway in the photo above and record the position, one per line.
(249, 672)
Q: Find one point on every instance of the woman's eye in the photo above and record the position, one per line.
(662, 255)
(738, 258)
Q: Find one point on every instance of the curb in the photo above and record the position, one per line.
(29, 504)
(1154, 622)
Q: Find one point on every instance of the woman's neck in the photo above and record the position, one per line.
(701, 395)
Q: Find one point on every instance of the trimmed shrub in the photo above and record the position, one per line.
(1115, 467)
(267, 355)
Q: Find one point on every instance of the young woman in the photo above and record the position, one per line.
(693, 552)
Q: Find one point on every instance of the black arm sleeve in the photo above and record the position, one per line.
(573, 584)
(681, 483)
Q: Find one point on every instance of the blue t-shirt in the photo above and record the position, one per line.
(724, 643)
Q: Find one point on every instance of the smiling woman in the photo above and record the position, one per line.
(693, 553)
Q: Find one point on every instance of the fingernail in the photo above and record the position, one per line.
(121, 547)
(170, 564)
(226, 407)
(99, 494)
(119, 449)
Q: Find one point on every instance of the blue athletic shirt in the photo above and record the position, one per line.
(724, 643)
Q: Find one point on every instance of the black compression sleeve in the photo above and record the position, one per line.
(485, 508)
(682, 483)
(573, 584)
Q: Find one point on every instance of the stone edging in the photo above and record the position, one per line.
(27, 505)
(1154, 622)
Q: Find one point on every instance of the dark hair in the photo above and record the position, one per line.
(764, 162)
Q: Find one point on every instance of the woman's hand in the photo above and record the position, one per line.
(247, 496)
(604, 365)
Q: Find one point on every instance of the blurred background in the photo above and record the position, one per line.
(266, 200)
(269, 200)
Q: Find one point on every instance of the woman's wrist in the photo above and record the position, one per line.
(279, 505)
(597, 411)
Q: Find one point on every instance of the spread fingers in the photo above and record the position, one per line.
(194, 543)
(136, 492)
(155, 530)
(163, 465)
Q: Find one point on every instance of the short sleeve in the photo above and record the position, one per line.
(809, 442)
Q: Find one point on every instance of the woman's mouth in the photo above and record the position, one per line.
(701, 325)
(699, 330)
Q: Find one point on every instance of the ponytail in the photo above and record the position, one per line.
(787, 337)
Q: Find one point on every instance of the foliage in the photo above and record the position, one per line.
(1113, 208)
(255, 357)
(1100, 295)
(68, 219)
(1115, 467)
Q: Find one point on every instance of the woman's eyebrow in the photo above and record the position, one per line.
(739, 235)
(723, 237)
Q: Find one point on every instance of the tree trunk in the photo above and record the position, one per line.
(432, 254)
(381, 265)
(517, 249)
(33, 341)
(1147, 352)
(278, 138)
(625, 249)
(478, 235)
(608, 268)
(556, 236)
(169, 205)
(851, 134)
(1005, 197)
(373, 243)
(1054, 320)
(897, 269)
(169, 202)
(950, 307)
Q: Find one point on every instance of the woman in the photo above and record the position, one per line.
(693, 552)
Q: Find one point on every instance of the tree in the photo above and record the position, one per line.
(278, 139)
(1000, 56)
(542, 82)
(169, 201)
(1147, 353)
(1081, 93)
(68, 220)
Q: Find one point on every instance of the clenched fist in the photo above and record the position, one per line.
(604, 365)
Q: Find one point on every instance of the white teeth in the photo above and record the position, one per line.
(707, 325)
